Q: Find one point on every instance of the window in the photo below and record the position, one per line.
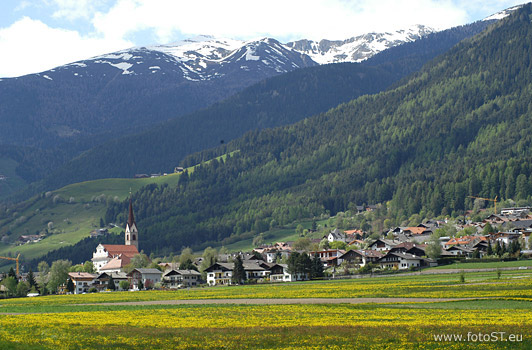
(134, 238)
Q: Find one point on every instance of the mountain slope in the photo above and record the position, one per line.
(124, 91)
(278, 101)
(460, 126)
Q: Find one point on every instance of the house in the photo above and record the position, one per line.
(413, 248)
(460, 250)
(505, 237)
(352, 235)
(83, 281)
(219, 274)
(337, 235)
(465, 241)
(361, 257)
(255, 270)
(382, 244)
(400, 261)
(98, 233)
(149, 277)
(518, 225)
(420, 230)
(102, 281)
(329, 257)
(29, 239)
(279, 273)
(273, 253)
(181, 278)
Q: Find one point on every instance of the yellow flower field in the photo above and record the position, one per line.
(440, 286)
(68, 322)
(256, 326)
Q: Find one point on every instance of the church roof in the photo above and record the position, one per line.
(117, 249)
(131, 217)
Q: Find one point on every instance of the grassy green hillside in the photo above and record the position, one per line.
(116, 189)
(67, 215)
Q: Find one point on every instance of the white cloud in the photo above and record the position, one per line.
(30, 46)
(245, 19)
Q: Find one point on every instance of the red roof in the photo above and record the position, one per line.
(117, 249)
(416, 230)
(117, 262)
(353, 232)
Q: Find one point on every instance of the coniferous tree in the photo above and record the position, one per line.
(70, 286)
(239, 274)
(12, 273)
(317, 267)
(31, 279)
(111, 283)
(489, 249)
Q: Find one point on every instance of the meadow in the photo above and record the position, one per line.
(495, 308)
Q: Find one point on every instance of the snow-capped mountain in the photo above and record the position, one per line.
(359, 48)
(502, 14)
(208, 58)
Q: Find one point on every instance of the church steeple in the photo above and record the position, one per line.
(132, 234)
(131, 217)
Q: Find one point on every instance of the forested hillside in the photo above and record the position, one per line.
(274, 102)
(461, 126)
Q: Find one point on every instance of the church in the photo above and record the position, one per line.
(113, 257)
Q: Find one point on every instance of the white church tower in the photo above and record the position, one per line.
(132, 234)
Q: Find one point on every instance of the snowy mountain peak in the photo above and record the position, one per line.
(502, 14)
(359, 48)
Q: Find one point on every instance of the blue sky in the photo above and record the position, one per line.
(38, 35)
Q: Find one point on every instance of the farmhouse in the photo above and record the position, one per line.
(181, 278)
(82, 281)
(399, 261)
(148, 277)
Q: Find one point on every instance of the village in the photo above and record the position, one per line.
(339, 254)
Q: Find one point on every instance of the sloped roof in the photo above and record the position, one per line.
(410, 245)
(117, 249)
(417, 230)
(354, 232)
(181, 272)
(81, 275)
(116, 263)
(147, 271)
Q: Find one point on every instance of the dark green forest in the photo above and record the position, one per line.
(461, 126)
